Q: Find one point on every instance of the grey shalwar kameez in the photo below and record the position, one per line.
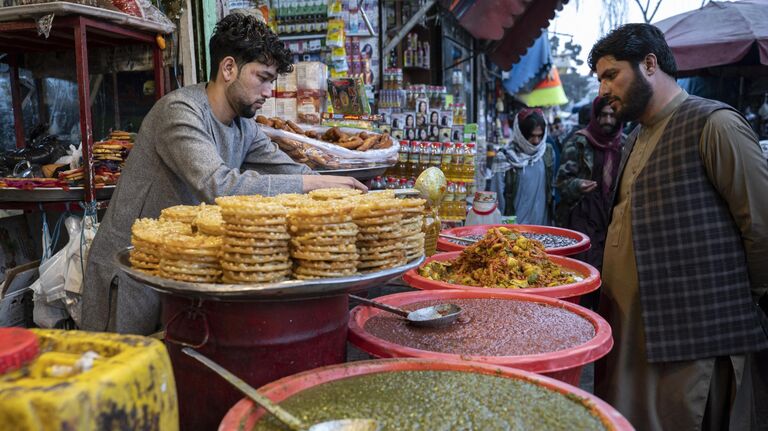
(182, 155)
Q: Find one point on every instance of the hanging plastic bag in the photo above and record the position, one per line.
(57, 291)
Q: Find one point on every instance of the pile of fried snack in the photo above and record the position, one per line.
(254, 239)
(504, 258)
(315, 157)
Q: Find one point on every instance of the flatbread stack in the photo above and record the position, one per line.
(323, 239)
(411, 227)
(190, 257)
(333, 193)
(147, 239)
(181, 213)
(108, 151)
(255, 242)
(380, 241)
(209, 221)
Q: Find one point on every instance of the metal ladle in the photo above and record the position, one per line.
(292, 421)
(436, 315)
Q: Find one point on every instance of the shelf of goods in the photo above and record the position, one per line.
(79, 28)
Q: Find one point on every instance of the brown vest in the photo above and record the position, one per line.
(692, 269)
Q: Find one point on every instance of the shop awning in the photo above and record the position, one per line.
(531, 68)
(548, 92)
(515, 24)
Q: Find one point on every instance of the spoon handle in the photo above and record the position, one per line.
(384, 307)
(458, 238)
(293, 422)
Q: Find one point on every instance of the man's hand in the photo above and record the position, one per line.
(312, 182)
(586, 186)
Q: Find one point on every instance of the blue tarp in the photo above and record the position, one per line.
(531, 68)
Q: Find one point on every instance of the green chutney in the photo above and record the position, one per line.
(440, 400)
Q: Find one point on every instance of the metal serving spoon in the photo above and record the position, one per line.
(292, 421)
(458, 238)
(436, 315)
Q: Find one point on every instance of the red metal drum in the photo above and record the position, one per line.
(258, 340)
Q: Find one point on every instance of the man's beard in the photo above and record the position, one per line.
(236, 98)
(610, 129)
(636, 99)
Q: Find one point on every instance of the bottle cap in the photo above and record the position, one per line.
(18, 346)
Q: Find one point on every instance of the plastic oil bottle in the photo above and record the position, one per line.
(413, 160)
(446, 163)
(436, 157)
(458, 162)
(461, 201)
(402, 159)
(424, 156)
(447, 207)
(469, 163)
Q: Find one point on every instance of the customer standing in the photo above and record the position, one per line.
(523, 171)
(686, 255)
(588, 168)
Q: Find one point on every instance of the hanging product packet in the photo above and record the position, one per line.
(348, 96)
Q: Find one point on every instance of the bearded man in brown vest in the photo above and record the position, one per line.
(686, 255)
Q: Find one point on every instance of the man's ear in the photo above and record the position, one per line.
(651, 64)
(228, 68)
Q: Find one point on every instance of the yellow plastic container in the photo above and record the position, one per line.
(129, 385)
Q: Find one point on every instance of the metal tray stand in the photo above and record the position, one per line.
(290, 289)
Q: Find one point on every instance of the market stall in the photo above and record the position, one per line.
(387, 92)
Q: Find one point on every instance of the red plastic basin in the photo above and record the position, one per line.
(567, 292)
(244, 414)
(564, 365)
(583, 244)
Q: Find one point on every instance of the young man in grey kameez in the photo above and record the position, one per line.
(197, 143)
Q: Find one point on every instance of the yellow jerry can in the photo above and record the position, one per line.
(81, 381)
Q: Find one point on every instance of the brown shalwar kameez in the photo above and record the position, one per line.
(684, 395)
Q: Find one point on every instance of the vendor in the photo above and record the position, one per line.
(197, 143)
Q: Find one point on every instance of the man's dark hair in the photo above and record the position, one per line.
(247, 39)
(530, 122)
(632, 42)
(585, 113)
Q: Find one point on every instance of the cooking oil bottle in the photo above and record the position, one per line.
(458, 162)
(447, 207)
(446, 163)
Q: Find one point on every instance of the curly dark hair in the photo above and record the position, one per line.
(632, 42)
(247, 39)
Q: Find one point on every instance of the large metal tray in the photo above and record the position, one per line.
(365, 173)
(35, 11)
(52, 194)
(291, 289)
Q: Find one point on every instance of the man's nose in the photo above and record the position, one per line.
(266, 89)
(604, 90)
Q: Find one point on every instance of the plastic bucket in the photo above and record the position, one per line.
(244, 414)
(582, 244)
(567, 292)
(564, 365)
(259, 341)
